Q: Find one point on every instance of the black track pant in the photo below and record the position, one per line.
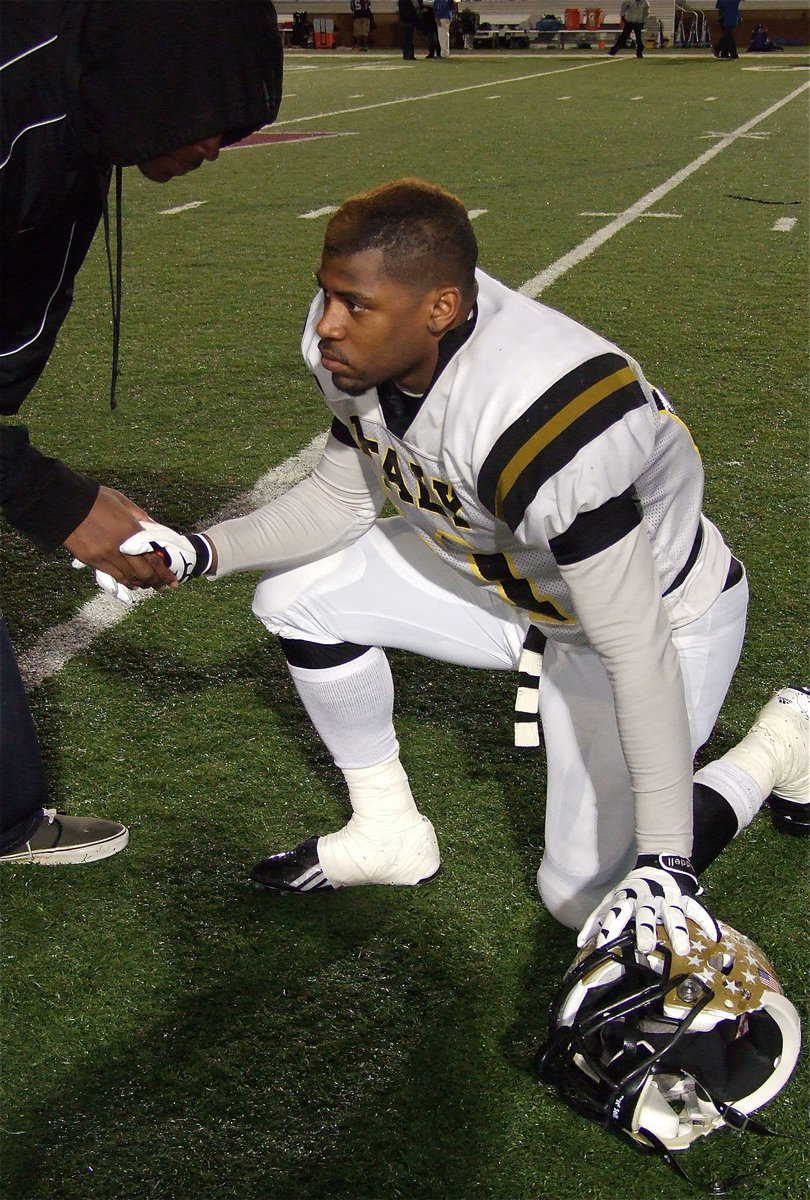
(23, 790)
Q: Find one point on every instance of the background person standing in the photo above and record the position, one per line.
(444, 11)
(634, 13)
(361, 22)
(408, 21)
(729, 16)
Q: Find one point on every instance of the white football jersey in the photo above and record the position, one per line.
(538, 443)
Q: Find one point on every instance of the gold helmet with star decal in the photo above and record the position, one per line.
(663, 1049)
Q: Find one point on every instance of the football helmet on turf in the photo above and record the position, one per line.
(663, 1049)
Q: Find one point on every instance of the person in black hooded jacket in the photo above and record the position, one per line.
(88, 87)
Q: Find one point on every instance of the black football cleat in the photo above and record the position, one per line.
(297, 870)
(789, 816)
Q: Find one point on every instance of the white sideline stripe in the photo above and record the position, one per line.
(574, 257)
(783, 224)
(59, 644)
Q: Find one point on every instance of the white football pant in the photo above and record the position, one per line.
(389, 589)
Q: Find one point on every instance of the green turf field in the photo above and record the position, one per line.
(168, 1031)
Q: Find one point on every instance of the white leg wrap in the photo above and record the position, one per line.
(737, 785)
(758, 756)
(387, 839)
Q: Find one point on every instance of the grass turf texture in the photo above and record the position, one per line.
(169, 1031)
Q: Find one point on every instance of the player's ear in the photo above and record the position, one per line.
(444, 310)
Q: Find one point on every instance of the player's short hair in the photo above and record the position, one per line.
(423, 232)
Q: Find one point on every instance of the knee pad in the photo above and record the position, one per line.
(278, 592)
(572, 898)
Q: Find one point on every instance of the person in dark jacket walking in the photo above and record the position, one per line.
(89, 87)
(728, 13)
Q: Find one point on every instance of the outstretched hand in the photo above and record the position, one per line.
(184, 556)
(661, 887)
(97, 540)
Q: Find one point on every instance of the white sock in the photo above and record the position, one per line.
(351, 707)
(386, 840)
(738, 787)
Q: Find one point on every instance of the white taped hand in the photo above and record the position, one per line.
(178, 552)
(661, 887)
(184, 556)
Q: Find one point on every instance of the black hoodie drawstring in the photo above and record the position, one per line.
(115, 282)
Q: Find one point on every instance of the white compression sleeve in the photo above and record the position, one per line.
(617, 599)
(329, 509)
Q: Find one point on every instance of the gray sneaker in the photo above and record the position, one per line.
(60, 839)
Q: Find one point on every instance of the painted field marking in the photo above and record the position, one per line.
(472, 87)
(666, 216)
(270, 137)
(753, 136)
(170, 212)
(59, 644)
(784, 224)
(327, 209)
(786, 67)
(318, 212)
(534, 287)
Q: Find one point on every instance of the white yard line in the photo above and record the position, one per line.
(59, 644)
(171, 212)
(472, 87)
(574, 257)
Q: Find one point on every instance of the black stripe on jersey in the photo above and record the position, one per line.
(575, 410)
(690, 562)
(494, 568)
(597, 529)
(342, 434)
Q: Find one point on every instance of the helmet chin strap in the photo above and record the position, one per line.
(735, 1120)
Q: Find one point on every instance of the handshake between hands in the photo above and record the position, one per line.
(660, 888)
(186, 555)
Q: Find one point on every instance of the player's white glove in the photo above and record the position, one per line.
(184, 555)
(661, 887)
(108, 584)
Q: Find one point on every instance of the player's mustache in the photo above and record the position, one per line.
(326, 350)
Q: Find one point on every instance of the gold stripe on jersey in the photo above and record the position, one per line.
(571, 413)
(500, 572)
